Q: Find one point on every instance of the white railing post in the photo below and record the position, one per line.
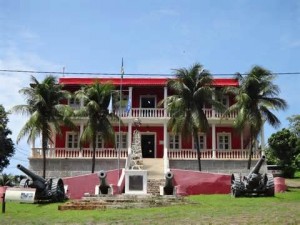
(166, 159)
(213, 141)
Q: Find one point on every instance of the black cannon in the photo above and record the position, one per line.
(104, 187)
(46, 189)
(254, 183)
(169, 185)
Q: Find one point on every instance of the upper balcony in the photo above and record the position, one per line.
(162, 113)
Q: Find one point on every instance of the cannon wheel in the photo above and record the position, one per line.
(57, 190)
(24, 183)
(236, 185)
(270, 185)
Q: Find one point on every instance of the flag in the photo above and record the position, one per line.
(122, 69)
(110, 109)
(128, 107)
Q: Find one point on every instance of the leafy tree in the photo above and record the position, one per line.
(256, 96)
(192, 90)
(295, 124)
(96, 100)
(7, 148)
(283, 145)
(6, 180)
(46, 113)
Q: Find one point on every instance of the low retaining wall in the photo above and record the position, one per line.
(79, 185)
(190, 182)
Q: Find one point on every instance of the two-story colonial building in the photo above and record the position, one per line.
(222, 147)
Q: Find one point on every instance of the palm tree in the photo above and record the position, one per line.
(254, 99)
(96, 100)
(46, 113)
(192, 90)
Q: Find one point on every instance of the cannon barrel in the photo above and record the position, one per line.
(103, 188)
(37, 181)
(169, 186)
(258, 165)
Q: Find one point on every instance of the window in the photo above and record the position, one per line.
(202, 141)
(99, 141)
(224, 100)
(174, 142)
(123, 143)
(224, 141)
(72, 140)
(74, 103)
(148, 102)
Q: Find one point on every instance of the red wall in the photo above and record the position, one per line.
(137, 92)
(235, 137)
(61, 139)
(190, 182)
(79, 185)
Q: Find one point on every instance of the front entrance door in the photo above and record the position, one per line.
(147, 141)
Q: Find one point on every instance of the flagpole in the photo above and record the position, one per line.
(120, 113)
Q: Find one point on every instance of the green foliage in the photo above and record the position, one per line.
(192, 90)
(271, 158)
(47, 114)
(7, 148)
(283, 145)
(295, 124)
(256, 96)
(96, 100)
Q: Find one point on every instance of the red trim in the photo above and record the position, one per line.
(138, 81)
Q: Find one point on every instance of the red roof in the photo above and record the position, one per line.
(138, 81)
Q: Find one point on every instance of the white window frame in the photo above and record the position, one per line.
(74, 145)
(99, 135)
(204, 141)
(148, 96)
(224, 99)
(173, 141)
(74, 103)
(223, 134)
(124, 142)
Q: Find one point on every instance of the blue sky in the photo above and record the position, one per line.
(153, 36)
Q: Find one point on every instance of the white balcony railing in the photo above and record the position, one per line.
(160, 112)
(208, 154)
(77, 153)
(172, 154)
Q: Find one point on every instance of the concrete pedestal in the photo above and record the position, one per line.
(136, 182)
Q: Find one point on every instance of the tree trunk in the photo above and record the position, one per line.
(94, 155)
(250, 151)
(198, 150)
(44, 149)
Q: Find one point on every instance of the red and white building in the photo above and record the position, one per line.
(222, 147)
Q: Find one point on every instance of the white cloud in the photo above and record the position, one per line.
(12, 58)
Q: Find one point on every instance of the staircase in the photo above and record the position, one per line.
(155, 168)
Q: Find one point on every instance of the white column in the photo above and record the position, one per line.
(165, 102)
(213, 112)
(213, 139)
(166, 140)
(129, 136)
(80, 134)
(130, 98)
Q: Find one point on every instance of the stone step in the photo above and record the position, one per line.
(122, 201)
(153, 186)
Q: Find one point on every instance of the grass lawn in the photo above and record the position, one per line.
(284, 208)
